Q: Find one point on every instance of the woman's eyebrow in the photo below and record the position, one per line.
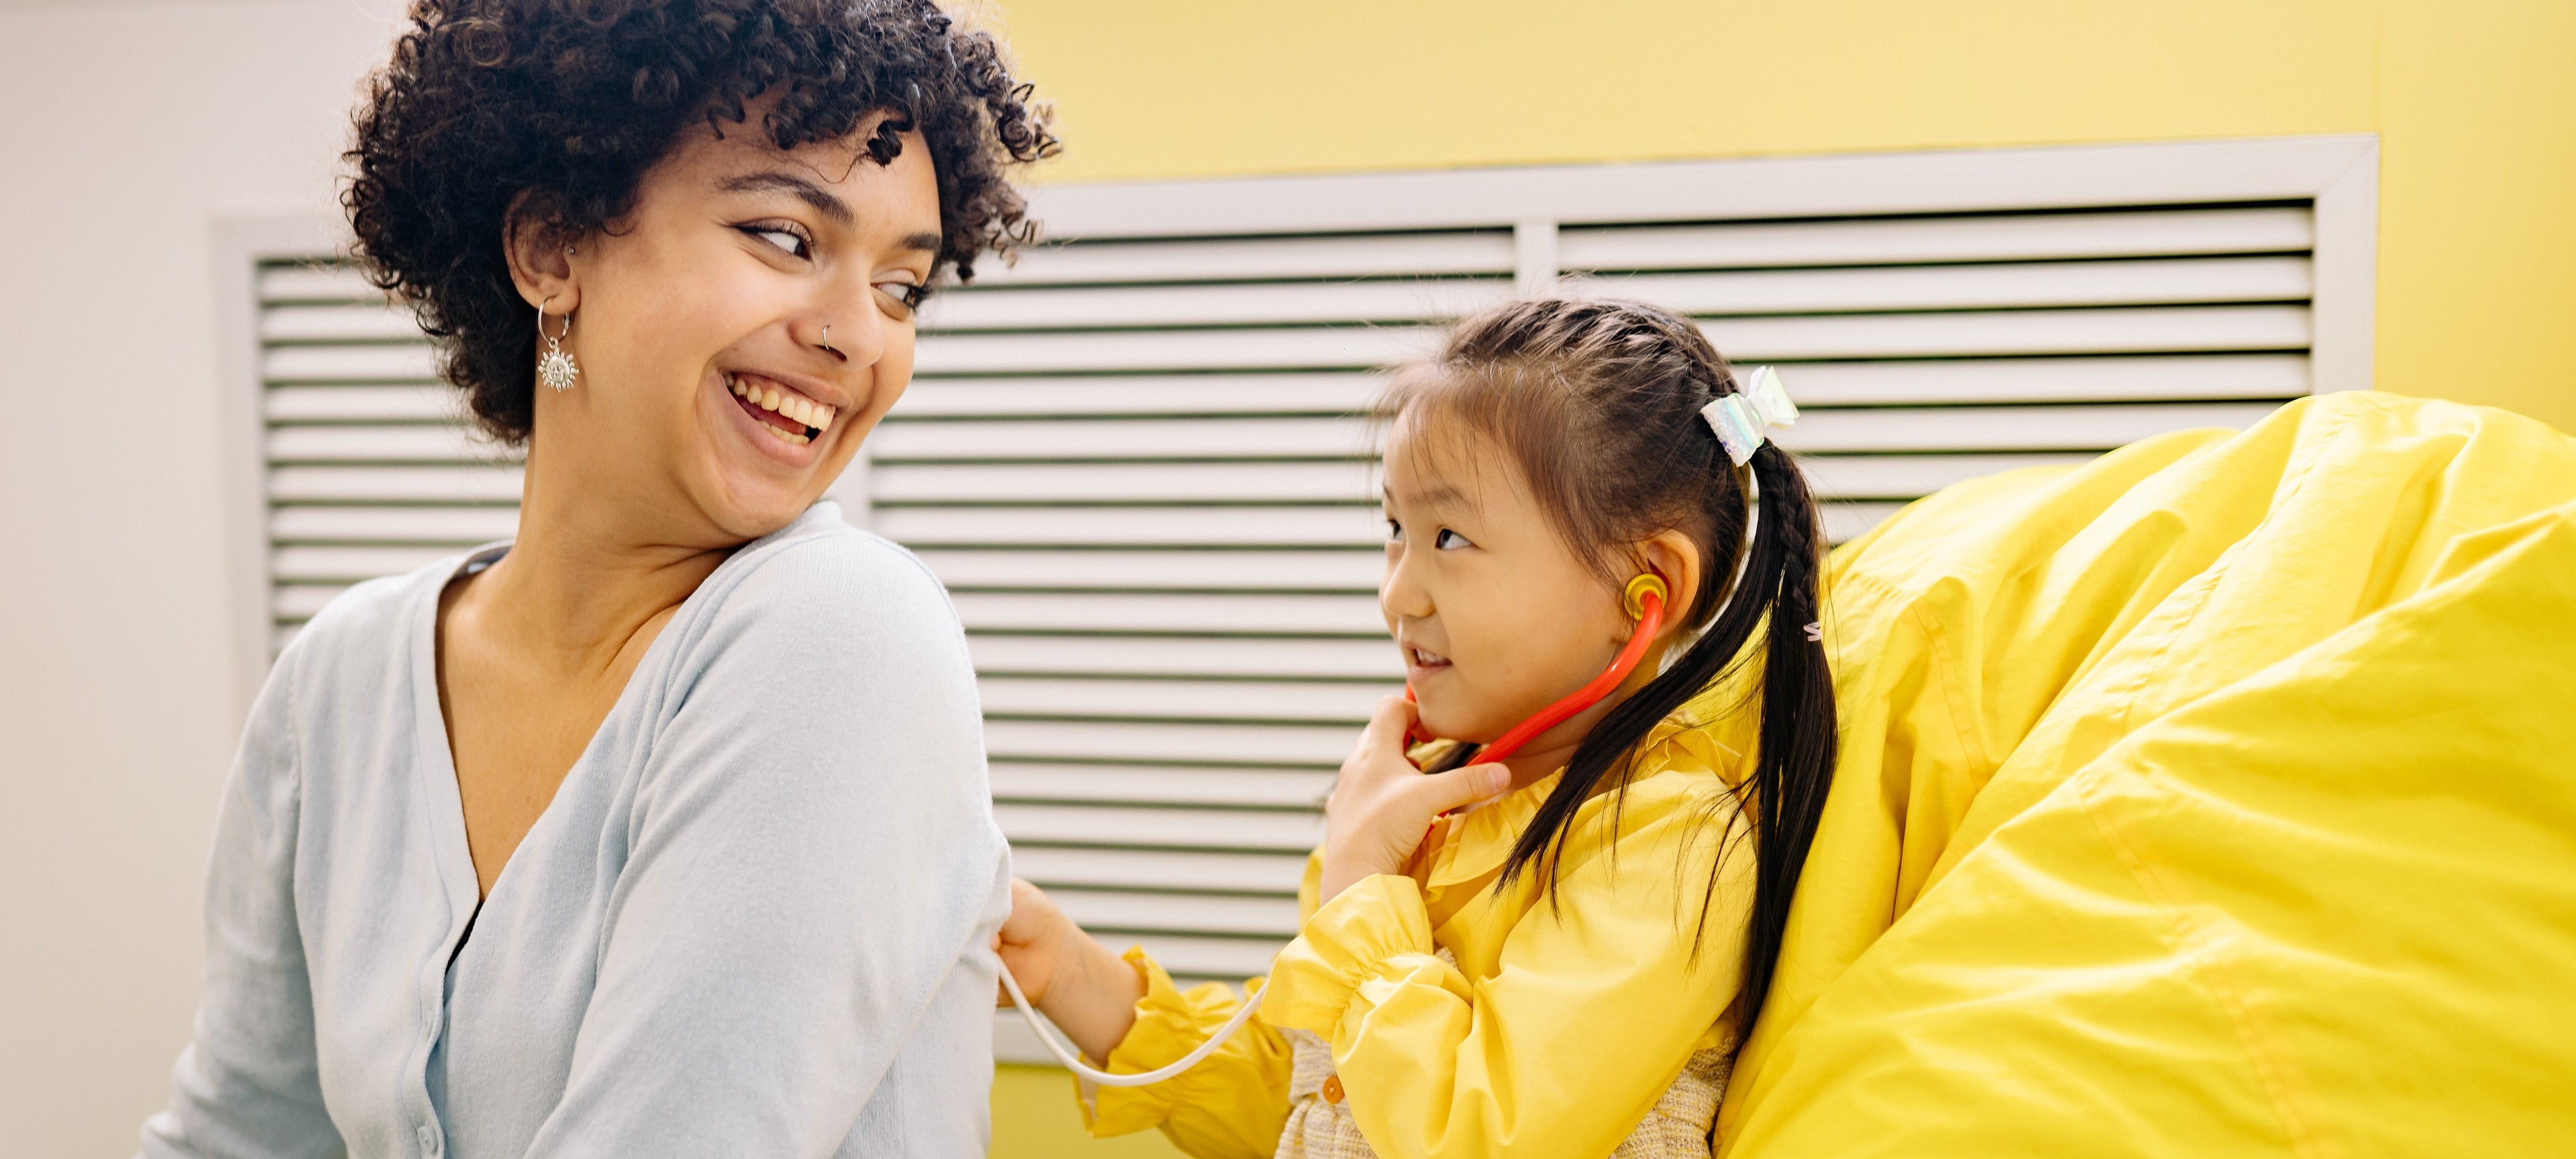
(823, 200)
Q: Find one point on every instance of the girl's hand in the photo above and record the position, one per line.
(1087, 991)
(1382, 805)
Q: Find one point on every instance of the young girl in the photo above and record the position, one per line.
(1554, 955)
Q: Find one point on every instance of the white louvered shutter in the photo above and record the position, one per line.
(1135, 457)
(370, 470)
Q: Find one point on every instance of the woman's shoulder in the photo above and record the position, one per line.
(820, 548)
(821, 581)
(822, 567)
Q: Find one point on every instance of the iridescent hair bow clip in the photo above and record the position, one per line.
(1743, 420)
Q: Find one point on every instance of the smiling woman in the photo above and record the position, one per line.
(662, 828)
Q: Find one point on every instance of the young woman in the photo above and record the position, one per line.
(663, 829)
(1565, 964)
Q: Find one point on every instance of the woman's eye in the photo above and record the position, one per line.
(1450, 540)
(905, 296)
(788, 241)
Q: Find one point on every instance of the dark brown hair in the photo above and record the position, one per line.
(569, 102)
(1597, 402)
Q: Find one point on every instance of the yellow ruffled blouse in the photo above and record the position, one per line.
(1561, 1024)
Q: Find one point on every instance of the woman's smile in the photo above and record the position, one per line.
(780, 414)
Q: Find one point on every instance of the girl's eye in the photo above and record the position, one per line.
(1450, 540)
(1394, 531)
(904, 296)
(789, 241)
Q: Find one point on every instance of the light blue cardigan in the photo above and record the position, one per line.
(753, 921)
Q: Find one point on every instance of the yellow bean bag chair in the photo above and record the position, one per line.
(2214, 798)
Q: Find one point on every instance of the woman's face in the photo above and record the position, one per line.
(738, 333)
(1497, 618)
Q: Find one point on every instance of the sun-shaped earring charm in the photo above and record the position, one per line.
(555, 367)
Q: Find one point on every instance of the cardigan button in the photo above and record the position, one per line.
(428, 1139)
(1333, 1088)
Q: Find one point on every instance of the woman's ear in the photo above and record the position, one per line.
(541, 259)
(1672, 555)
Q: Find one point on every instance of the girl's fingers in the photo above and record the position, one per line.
(1393, 717)
(1459, 788)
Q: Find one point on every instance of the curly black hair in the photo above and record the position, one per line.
(569, 102)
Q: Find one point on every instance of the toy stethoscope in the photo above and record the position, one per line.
(1645, 602)
(1742, 421)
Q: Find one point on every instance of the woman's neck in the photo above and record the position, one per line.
(582, 579)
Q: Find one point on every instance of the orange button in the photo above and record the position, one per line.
(1332, 1088)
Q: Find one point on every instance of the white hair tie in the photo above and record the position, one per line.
(1742, 421)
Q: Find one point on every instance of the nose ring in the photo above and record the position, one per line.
(826, 343)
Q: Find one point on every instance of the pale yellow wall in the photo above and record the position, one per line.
(129, 129)
(2475, 104)
(1034, 1118)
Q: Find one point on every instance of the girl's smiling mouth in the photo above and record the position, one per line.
(1423, 660)
(780, 410)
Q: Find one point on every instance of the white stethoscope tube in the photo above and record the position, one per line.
(1065, 1054)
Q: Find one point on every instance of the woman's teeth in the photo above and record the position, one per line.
(815, 417)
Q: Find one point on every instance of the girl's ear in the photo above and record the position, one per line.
(1672, 555)
(541, 260)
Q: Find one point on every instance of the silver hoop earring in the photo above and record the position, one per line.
(555, 367)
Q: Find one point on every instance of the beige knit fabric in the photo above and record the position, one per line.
(1678, 1127)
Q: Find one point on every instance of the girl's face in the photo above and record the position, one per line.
(712, 399)
(1496, 616)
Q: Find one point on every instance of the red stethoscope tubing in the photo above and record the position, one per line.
(1650, 608)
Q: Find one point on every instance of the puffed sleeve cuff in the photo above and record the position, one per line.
(1169, 1024)
(1378, 928)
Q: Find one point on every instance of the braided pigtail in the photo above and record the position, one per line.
(1795, 765)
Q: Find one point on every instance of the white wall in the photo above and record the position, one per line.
(126, 131)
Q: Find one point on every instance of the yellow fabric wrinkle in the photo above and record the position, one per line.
(2258, 836)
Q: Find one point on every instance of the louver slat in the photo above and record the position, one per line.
(1122, 741)
(1258, 304)
(1178, 570)
(1997, 238)
(2015, 286)
(1169, 612)
(1238, 482)
(1247, 700)
(1274, 873)
(1161, 394)
(463, 485)
(1945, 382)
(1404, 255)
(1149, 785)
(454, 525)
(1320, 658)
(1858, 429)
(1986, 333)
(1305, 526)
